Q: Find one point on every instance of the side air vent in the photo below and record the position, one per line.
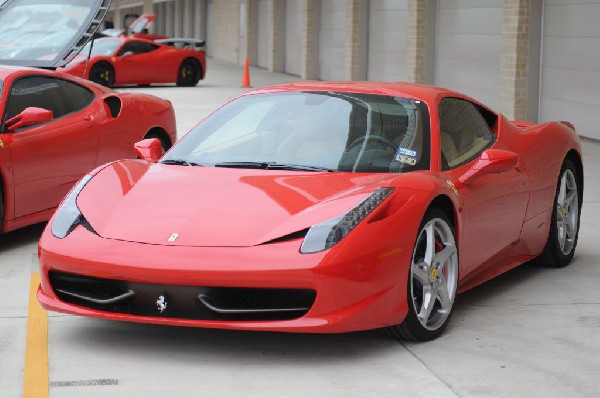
(114, 105)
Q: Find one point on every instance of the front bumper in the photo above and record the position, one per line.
(356, 288)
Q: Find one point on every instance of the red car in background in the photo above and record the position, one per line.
(126, 60)
(54, 127)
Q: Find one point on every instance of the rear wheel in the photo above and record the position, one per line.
(103, 73)
(564, 225)
(432, 281)
(189, 73)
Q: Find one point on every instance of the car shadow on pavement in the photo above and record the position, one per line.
(21, 237)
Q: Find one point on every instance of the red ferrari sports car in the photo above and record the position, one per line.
(127, 60)
(317, 207)
(54, 127)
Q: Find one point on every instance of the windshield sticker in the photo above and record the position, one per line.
(406, 152)
(406, 159)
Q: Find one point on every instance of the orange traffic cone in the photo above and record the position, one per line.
(246, 77)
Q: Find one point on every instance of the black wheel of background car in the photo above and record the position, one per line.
(102, 73)
(189, 73)
(164, 140)
(432, 280)
(564, 225)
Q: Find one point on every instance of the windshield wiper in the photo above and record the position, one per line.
(297, 167)
(272, 166)
(179, 162)
(243, 165)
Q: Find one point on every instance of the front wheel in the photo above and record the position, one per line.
(432, 280)
(564, 225)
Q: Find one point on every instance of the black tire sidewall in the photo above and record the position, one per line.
(197, 69)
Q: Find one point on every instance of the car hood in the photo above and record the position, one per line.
(47, 34)
(136, 201)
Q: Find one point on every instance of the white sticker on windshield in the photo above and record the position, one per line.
(406, 159)
(406, 152)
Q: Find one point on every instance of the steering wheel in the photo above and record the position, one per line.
(377, 138)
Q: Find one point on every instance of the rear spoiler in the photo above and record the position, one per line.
(191, 44)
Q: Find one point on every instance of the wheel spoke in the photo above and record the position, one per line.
(443, 256)
(443, 296)
(562, 190)
(569, 228)
(569, 198)
(427, 306)
(421, 273)
(430, 243)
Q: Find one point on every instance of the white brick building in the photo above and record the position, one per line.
(529, 59)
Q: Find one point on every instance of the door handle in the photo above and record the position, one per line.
(88, 118)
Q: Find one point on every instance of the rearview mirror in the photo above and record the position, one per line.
(28, 117)
(491, 161)
(149, 149)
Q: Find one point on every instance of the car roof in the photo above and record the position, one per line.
(416, 91)
(47, 33)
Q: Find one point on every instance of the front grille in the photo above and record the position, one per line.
(184, 302)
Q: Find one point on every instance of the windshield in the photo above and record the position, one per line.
(322, 130)
(102, 47)
(41, 32)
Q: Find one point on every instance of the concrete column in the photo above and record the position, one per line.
(200, 20)
(514, 63)
(355, 64)
(247, 36)
(148, 7)
(188, 19)
(118, 18)
(310, 39)
(169, 19)
(416, 33)
(276, 36)
(179, 12)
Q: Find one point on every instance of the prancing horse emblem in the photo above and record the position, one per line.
(173, 237)
(161, 303)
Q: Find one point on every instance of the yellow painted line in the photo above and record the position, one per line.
(35, 381)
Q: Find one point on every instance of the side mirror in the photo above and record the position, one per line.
(149, 149)
(491, 161)
(28, 117)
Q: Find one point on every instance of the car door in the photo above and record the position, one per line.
(134, 63)
(49, 158)
(493, 205)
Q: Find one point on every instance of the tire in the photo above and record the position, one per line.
(189, 73)
(102, 73)
(564, 224)
(165, 142)
(433, 274)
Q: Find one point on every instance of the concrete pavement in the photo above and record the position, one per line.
(531, 332)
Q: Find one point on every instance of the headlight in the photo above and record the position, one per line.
(324, 235)
(68, 215)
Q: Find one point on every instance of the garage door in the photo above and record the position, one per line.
(387, 40)
(262, 33)
(332, 39)
(467, 48)
(293, 15)
(570, 78)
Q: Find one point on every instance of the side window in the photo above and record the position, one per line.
(464, 132)
(78, 96)
(38, 91)
(136, 47)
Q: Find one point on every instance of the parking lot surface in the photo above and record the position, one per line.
(532, 332)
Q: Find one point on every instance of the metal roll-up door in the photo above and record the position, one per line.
(332, 39)
(387, 40)
(570, 64)
(467, 48)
